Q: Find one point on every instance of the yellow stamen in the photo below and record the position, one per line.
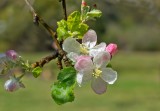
(97, 73)
(83, 49)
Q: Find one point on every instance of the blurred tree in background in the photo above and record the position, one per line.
(132, 24)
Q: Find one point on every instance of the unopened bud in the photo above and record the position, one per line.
(11, 54)
(95, 5)
(12, 84)
(112, 48)
(84, 3)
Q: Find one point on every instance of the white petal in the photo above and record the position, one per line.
(98, 85)
(101, 59)
(72, 56)
(109, 75)
(98, 48)
(71, 45)
(90, 39)
(79, 78)
(83, 78)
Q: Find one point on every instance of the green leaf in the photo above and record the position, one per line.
(75, 25)
(94, 13)
(73, 21)
(62, 93)
(67, 75)
(62, 30)
(83, 28)
(36, 71)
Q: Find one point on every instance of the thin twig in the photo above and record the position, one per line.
(59, 62)
(45, 60)
(38, 20)
(64, 9)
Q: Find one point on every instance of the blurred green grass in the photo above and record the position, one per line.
(137, 88)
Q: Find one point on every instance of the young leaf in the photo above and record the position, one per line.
(36, 71)
(62, 30)
(94, 13)
(75, 25)
(67, 75)
(62, 93)
(83, 28)
(73, 21)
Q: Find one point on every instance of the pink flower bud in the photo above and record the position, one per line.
(11, 54)
(84, 3)
(12, 85)
(112, 48)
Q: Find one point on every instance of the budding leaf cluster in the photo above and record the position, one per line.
(94, 13)
(72, 27)
(63, 89)
(88, 13)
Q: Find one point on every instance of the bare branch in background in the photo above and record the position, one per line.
(3, 4)
(64, 8)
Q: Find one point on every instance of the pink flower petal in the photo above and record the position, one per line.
(90, 39)
(84, 64)
(98, 85)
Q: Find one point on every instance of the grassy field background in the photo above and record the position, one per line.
(137, 88)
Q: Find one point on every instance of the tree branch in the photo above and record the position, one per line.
(45, 60)
(37, 19)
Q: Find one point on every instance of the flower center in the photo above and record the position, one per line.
(83, 49)
(97, 72)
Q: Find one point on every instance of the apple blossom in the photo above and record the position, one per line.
(88, 46)
(96, 71)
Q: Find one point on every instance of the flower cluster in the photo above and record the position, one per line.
(90, 61)
(8, 62)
